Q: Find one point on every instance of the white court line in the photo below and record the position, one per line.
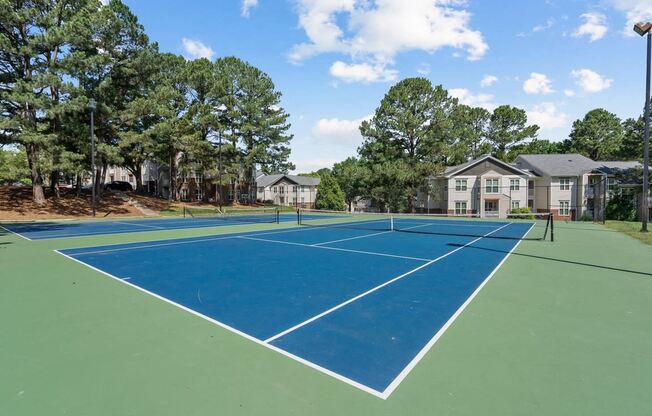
(194, 240)
(365, 236)
(371, 253)
(413, 363)
(18, 234)
(238, 332)
(138, 225)
(389, 282)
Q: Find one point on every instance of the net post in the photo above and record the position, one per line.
(298, 216)
(184, 211)
(278, 216)
(552, 228)
(391, 223)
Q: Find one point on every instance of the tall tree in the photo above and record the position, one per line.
(470, 130)
(411, 126)
(35, 37)
(330, 196)
(598, 135)
(104, 60)
(508, 128)
(537, 147)
(351, 175)
(633, 137)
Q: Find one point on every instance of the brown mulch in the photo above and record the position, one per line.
(16, 204)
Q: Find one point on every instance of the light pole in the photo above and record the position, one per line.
(92, 105)
(645, 29)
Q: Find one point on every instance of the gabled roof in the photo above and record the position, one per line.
(267, 180)
(572, 164)
(458, 169)
(613, 167)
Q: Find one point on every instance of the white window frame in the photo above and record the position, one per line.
(461, 185)
(461, 207)
(492, 189)
(516, 205)
(514, 184)
(564, 184)
(564, 208)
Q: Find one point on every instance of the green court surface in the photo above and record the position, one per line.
(563, 328)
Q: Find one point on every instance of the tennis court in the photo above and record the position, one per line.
(199, 218)
(361, 299)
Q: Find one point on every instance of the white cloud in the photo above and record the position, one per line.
(547, 116)
(196, 49)
(635, 11)
(590, 81)
(541, 28)
(570, 93)
(363, 72)
(537, 84)
(373, 33)
(105, 2)
(423, 69)
(488, 81)
(337, 131)
(466, 97)
(247, 5)
(594, 26)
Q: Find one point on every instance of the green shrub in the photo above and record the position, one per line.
(621, 208)
(329, 194)
(523, 213)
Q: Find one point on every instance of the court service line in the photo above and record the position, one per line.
(372, 290)
(198, 239)
(371, 253)
(367, 235)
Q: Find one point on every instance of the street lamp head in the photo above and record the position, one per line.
(643, 28)
(92, 105)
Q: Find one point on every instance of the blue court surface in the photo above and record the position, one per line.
(360, 305)
(49, 230)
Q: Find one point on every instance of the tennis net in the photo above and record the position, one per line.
(534, 226)
(252, 215)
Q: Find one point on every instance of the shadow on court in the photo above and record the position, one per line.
(576, 263)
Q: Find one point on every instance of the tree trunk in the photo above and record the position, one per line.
(37, 180)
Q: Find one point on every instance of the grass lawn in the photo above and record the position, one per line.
(632, 229)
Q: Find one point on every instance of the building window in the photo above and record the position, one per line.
(199, 194)
(460, 207)
(294, 201)
(261, 189)
(460, 185)
(516, 205)
(282, 189)
(199, 177)
(274, 189)
(303, 199)
(303, 188)
(491, 186)
(184, 194)
(514, 184)
(564, 208)
(611, 184)
(294, 188)
(124, 178)
(131, 178)
(564, 184)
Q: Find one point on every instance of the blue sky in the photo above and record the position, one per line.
(333, 60)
